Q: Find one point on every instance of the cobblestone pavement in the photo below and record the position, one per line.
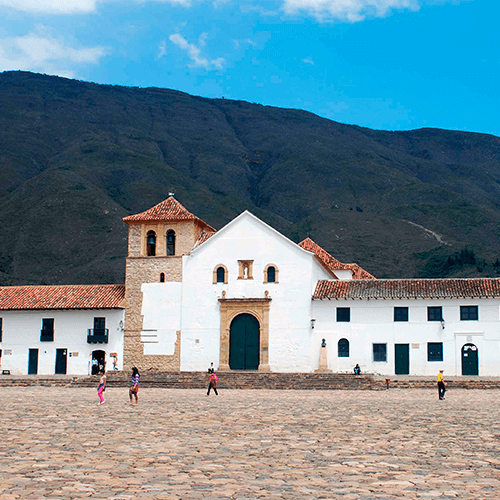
(58, 443)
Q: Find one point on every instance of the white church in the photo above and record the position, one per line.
(247, 298)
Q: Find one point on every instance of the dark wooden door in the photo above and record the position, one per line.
(33, 362)
(402, 359)
(244, 343)
(470, 360)
(61, 361)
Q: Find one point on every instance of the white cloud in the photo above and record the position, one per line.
(52, 6)
(347, 10)
(194, 52)
(40, 52)
(308, 60)
(162, 49)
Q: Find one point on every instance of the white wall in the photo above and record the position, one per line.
(21, 332)
(247, 238)
(372, 321)
(161, 309)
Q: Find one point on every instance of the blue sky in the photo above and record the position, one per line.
(383, 64)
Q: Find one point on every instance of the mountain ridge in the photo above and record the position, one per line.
(83, 155)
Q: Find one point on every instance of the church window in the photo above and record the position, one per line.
(162, 277)
(220, 274)
(151, 243)
(170, 242)
(271, 274)
(343, 348)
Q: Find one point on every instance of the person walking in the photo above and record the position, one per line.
(213, 384)
(441, 385)
(134, 386)
(101, 388)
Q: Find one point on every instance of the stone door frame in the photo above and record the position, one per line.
(229, 309)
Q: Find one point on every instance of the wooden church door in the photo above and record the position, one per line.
(244, 343)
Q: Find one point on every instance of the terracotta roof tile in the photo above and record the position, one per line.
(168, 210)
(204, 236)
(408, 289)
(332, 264)
(62, 297)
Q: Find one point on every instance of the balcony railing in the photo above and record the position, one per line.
(97, 336)
(46, 335)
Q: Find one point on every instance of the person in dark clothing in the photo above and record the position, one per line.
(213, 384)
(441, 386)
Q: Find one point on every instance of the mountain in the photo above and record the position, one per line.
(76, 157)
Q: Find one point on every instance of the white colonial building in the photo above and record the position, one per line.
(247, 298)
(61, 329)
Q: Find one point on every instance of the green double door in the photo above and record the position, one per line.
(244, 343)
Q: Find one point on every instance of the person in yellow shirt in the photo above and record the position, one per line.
(441, 386)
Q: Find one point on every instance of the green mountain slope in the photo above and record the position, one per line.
(75, 157)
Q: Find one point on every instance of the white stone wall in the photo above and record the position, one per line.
(248, 238)
(21, 332)
(372, 321)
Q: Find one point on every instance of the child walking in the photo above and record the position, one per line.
(101, 388)
(134, 386)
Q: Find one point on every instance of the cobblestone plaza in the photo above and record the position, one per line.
(57, 442)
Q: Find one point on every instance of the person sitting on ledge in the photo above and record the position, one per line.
(357, 370)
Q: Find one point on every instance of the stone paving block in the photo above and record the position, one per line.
(178, 444)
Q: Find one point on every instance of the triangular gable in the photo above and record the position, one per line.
(167, 210)
(213, 236)
(332, 264)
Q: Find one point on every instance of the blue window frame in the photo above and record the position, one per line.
(400, 314)
(469, 313)
(435, 313)
(343, 314)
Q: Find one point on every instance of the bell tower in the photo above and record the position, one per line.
(157, 240)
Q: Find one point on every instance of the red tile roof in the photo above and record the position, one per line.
(408, 289)
(204, 236)
(168, 210)
(62, 297)
(332, 264)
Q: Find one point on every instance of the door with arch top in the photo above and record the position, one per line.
(470, 360)
(244, 343)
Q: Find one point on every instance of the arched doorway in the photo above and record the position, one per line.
(244, 343)
(470, 360)
(98, 361)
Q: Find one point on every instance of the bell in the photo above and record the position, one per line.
(151, 240)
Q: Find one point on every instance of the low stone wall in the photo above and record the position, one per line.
(252, 380)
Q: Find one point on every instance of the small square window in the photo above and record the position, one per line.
(380, 352)
(469, 313)
(343, 314)
(400, 314)
(434, 351)
(435, 313)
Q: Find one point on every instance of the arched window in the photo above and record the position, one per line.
(162, 277)
(271, 274)
(151, 243)
(220, 274)
(170, 242)
(343, 348)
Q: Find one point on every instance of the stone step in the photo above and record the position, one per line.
(250, 380)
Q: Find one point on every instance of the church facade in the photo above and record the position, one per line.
(248, 298)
